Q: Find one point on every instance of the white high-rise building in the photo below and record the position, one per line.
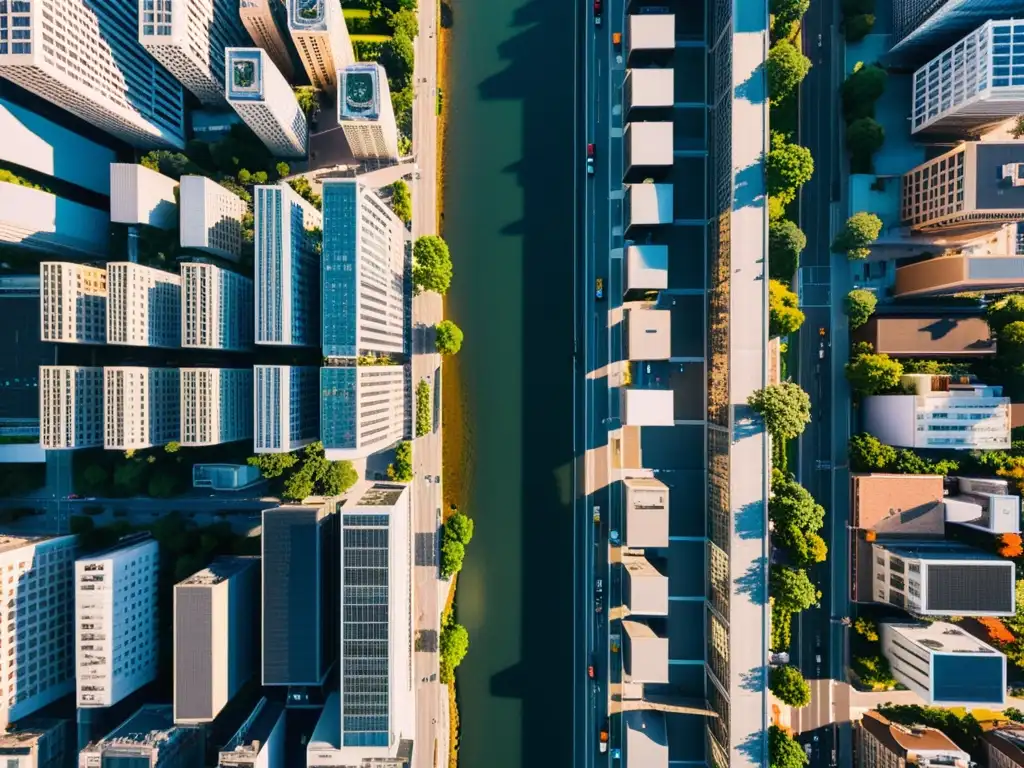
(73, 303)
(287, 267)
(216, 405)
(116, 621)
(258, 92)
(362, 409)
(363, 273)
(321, 39)
(286, 401)
(189, 37)
(215, 307)
(259, 19)
(141, 407)
(140, 195)
(365, 112)
(85, 57)
(37, 631)
(143, 306)
(211, 217)
(70, 406)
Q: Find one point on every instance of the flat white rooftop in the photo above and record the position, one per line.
(648, 407)
(651, 87)
(652, 32)
(646, 267)
(649, 144)
(649, 204)
(649, 334)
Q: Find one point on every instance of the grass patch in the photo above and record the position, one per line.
(356, 13)
(369, 38)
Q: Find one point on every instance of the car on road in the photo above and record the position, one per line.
(72, 496)
(597, 12)
(591, 154)
(614, 536)
(817, 658)
(782, 657)
(598, 587)
(597, 515)
(603, 738)
(616, 39)
(599, 288)
(591, 669)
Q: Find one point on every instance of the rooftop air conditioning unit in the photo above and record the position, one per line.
(1013, 174)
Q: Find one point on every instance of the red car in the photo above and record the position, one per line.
(597, 11)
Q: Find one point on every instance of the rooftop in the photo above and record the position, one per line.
(131, 541)
(928, 335)
(646, 267)
(359, 88)
(1009, 740)
(245, 66)
(649, 333)
(646, 739)
(649, 204)
(28, 732)
(904, 504)
(221, 569)
(648, 407)
(255, 731)
(8, 543)
(942, 637)
(960, 273)
(994, 187)
(648, 143)
(904, 741)
(943, 550)
(652, 32)
(651, 87)
(152, 726)
(380, 495)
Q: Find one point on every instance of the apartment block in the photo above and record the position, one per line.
(261, 96)
(983, 504)
(942, 578)
(37, 220)
(215, 306)
(260, 19)
(211, 217)
(259, 743)
(39, 663)
(644, 653)
(140, 195)
(301, 578)
(363, 273)
(141, 407)
(70, 406)
(644, 270)
(941, 413)
(287, 267)
(143, 306)
(1004, 746)
(648, 205)
(91, 63)
(287, 407)
(646, 587)
(976, 186)
(647, 333)
(645, 500)
(216, 620)
(116, 621)
(921, 28)
(944, 665)
(321, 38)
(365, 112)
(216, 405)
(884, 744)
(73, 303)
(189, 37)
(362, 409)
(150, 738)
(38, 743)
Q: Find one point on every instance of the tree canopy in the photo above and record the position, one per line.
(447, 338)
(459, 527)
(783, 750)
(792, 504)
(1005, 311)
(785, 12)
(861, 90)
(859, 306)
(785, 408)
(788, 167)
(791, 589)
(869, 454)
(873, 374)
(401, 200)
(789, 686)
(784, 315)
(453, 553)
(857, 235)
(786, 241)
(858, 26)
(401, 468)
(864, 137)
(787, 67)
(453, 646)
(273, 465)
(432, 264)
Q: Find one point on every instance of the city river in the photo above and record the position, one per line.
(509, 210)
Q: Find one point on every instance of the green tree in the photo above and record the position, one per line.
(424, 408)
(1012, 713)
(94, 479)
(401, 468)
(866, 628)
(859, 306)
(1011, 343)
(404, 22)
(786, 241)
(788, 167)
(273, 465)
(300, 484)
(784, 315)
(396, 57)
(130, 477)
(874, 374)
(776, 208)
(786, 67)
(401, 200)
(162, 485)
(401, 103)
(260, 177)
(869, 454)
(407, 5)
(785, 12)
(805, 547)
(857, 235)
(789, 686)
(447, 338)
(783, 750)
(244, 177)
(791, 589)
(460, 528)
(173, 164)
(864, 137)
(309, 100)
(452, 554)
(792, 505)
(861, 90)
(283, 169)
(785, 408)
(431, 264)
(339, 477)
(856, 28)
(453, 646)
(873, 670)
(172, 447)
(1005, 311)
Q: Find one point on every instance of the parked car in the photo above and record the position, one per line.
(597, 12)
(591, 153)
(599, 288)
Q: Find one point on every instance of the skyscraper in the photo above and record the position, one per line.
(143, 306)
(216, 305)
(150, 738)
(321, 38)
(70, 406)
(260, 18)
(189, 37)
(365, 112)
(287, 267)
(73, 306)
(216, 405)
(362, 409)
(141, 407)
(211, 217)
(924, 27)
(90, 62)
(287, 413)
(140, 195)
(258, 92)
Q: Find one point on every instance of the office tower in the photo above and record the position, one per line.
(260, 19)
(115, 619)
(884, 744)
(300, 595)
(147, 738)
(73, 307)
(38, 661)
(363, 272)
(259, 743)
(38, 743)
(143, 306)
(189, 37)
(287, 267)
(38, 220)
(70, 406)
(216, 405)
(287, 407)
(140, 407)
(1004, 746)
(211, 217)
(362, 409)
(140, 195)
(924, 27)
(93, 66)
(365, 112)
(964, 89)
(215, 306)
(321, 38)
(944, 665)
(977, 186)
(258, 92)
(943, 578)
(216, 616)
(940, 414)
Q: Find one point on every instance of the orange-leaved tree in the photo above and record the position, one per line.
(1010, 545)
(997, 631)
